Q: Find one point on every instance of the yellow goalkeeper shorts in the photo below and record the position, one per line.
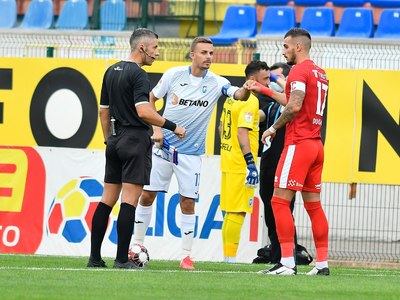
(235, 196)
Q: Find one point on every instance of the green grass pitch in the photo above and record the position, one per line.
(55, 277)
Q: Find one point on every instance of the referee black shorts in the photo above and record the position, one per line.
(128, 156)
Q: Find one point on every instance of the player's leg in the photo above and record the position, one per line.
(312, 203)
(188, 223)
(160, 178)
(143, 215)
(236, 200)
(231, 228)
(320, 229)
(290, 174)
(187, 173)
(285, 230)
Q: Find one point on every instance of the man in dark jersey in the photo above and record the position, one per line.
(126, 116)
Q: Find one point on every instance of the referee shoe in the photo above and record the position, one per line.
(126, 265)
(96, 264)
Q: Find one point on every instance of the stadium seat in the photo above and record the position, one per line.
(319, 21)
(356, 23)
(310, 2)
(8, 13)
(74, 15)
(272, 2)
(240, 22)
(39, 15)
(113, 15)
(278, 20)
(349, 3)
(385, 3)
(389, 25)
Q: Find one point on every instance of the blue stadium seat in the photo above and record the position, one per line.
(356, 23)
(113, 15)
(39, 15)
(385, 3)
(278, 20)
(310, 2)
(272, 2)
(319, 21)
(8, 13)
(349, 3)
(389, 24)
(240, 22)
(74, 15)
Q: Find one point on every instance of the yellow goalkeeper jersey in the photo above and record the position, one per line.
(237, 114)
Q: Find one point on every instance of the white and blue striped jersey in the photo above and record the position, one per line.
(189, 103)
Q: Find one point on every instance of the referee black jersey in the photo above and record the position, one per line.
(125, 84)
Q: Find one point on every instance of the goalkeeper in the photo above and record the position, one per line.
(239, 146)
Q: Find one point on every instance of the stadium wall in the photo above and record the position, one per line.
(48, 111)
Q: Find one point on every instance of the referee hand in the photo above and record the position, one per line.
(180, 132)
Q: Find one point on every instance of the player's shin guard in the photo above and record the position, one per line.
(231, 233)
(125, 220)
(284, 228)
(187, 233)
(99, 227)
(142, 221)
(320, 229)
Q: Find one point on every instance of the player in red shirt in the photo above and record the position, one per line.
(301, 162)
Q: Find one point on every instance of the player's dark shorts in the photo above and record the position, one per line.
(128, 156)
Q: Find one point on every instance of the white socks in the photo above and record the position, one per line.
(230, 259)
(321, 264)
(187, 233)
(288, 262)
(142, 221)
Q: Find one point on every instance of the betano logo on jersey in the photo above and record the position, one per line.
(187, 102)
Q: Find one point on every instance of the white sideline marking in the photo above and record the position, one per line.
(119, 270)
(368, 273)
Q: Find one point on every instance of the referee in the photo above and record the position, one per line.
(126, 116)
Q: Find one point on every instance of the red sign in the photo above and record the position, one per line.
(22, 192)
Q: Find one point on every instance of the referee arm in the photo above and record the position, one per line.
(104, 114)
(147, 113)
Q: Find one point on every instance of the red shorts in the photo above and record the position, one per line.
(300, 166)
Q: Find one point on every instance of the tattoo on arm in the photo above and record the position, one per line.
(292, 108)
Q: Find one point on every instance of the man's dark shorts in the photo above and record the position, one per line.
(128, 156)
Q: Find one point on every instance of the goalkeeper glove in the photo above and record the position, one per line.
(251, 173)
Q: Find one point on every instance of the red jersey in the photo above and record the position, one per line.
(311, 79)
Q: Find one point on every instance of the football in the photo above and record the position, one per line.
(139, 255)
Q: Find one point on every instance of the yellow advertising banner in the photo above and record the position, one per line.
(50, 102)
(54, 102)
(377, 136)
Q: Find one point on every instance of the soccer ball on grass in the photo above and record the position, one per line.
(139, 255)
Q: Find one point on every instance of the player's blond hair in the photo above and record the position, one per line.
(199, 40)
